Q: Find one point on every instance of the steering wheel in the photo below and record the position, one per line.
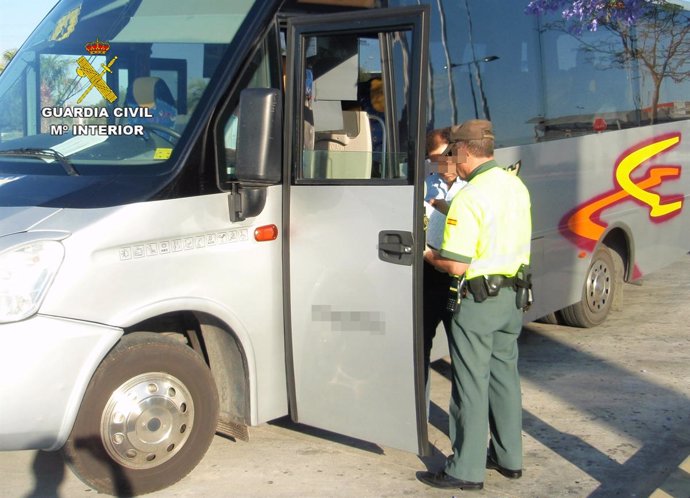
(168, 134)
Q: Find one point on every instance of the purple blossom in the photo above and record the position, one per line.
(590, 14)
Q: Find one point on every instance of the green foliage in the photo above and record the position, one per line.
(6, 57)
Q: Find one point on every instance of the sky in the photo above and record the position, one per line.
(18, 19)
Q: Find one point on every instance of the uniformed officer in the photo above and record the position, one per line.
(486, 240)
(440, 188)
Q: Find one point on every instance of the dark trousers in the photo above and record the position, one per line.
(436, 292)
(485, 398)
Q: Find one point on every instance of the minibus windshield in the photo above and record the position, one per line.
(113, 82)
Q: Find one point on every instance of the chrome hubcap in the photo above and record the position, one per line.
(147, 420)
(599, 283)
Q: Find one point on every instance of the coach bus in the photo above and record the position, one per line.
(211, 211)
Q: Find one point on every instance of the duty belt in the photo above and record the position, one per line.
(488, 286)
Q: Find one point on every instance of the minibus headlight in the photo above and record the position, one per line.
(26, 273)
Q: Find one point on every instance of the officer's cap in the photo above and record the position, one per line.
(472, 129)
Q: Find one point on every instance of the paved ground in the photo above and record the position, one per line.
(606, 414)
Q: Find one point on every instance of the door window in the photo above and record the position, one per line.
(353, 121)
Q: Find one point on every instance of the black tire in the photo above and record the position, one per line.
(619, 267)
(163, 429)
(599, 291)
(551, 319)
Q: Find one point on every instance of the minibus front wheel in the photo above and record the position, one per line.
(147, 417)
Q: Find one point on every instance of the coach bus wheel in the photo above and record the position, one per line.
(147, 417)
(551, 319)
(598, 293)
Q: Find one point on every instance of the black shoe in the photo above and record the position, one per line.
(509, 473)
(444, 481)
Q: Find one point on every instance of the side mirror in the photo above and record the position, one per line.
(259, 136)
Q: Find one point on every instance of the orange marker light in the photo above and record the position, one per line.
(582, 255)
(266, 233)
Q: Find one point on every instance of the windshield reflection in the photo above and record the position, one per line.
(114, 82)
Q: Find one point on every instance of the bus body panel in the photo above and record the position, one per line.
(19, 219)
(45, 368)
(565, 176)
(135, 262)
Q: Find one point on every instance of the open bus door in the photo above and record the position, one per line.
(356, 112)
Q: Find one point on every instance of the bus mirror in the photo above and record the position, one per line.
(259, 136)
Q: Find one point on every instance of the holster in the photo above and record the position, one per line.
(489, 286)
(493, 284)
(479, 289)
(523, 288)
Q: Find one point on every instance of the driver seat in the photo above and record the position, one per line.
(153, 93)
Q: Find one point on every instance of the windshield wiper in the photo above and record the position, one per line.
(43, 153)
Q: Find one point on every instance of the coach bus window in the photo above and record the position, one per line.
(663, 38)
(583, 83)
(621, 76)
(484, 65)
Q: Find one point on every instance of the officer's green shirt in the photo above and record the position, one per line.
(489, 223)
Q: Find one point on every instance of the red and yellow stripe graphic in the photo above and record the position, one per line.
(583, 225)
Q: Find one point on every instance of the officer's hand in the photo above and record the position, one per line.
(430, 255)
(440, 205)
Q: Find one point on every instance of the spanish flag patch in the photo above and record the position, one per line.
(451, 221)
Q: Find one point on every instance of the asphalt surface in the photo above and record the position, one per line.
(606, 414)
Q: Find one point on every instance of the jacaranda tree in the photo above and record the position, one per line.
(655, 34)
(590, 14)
